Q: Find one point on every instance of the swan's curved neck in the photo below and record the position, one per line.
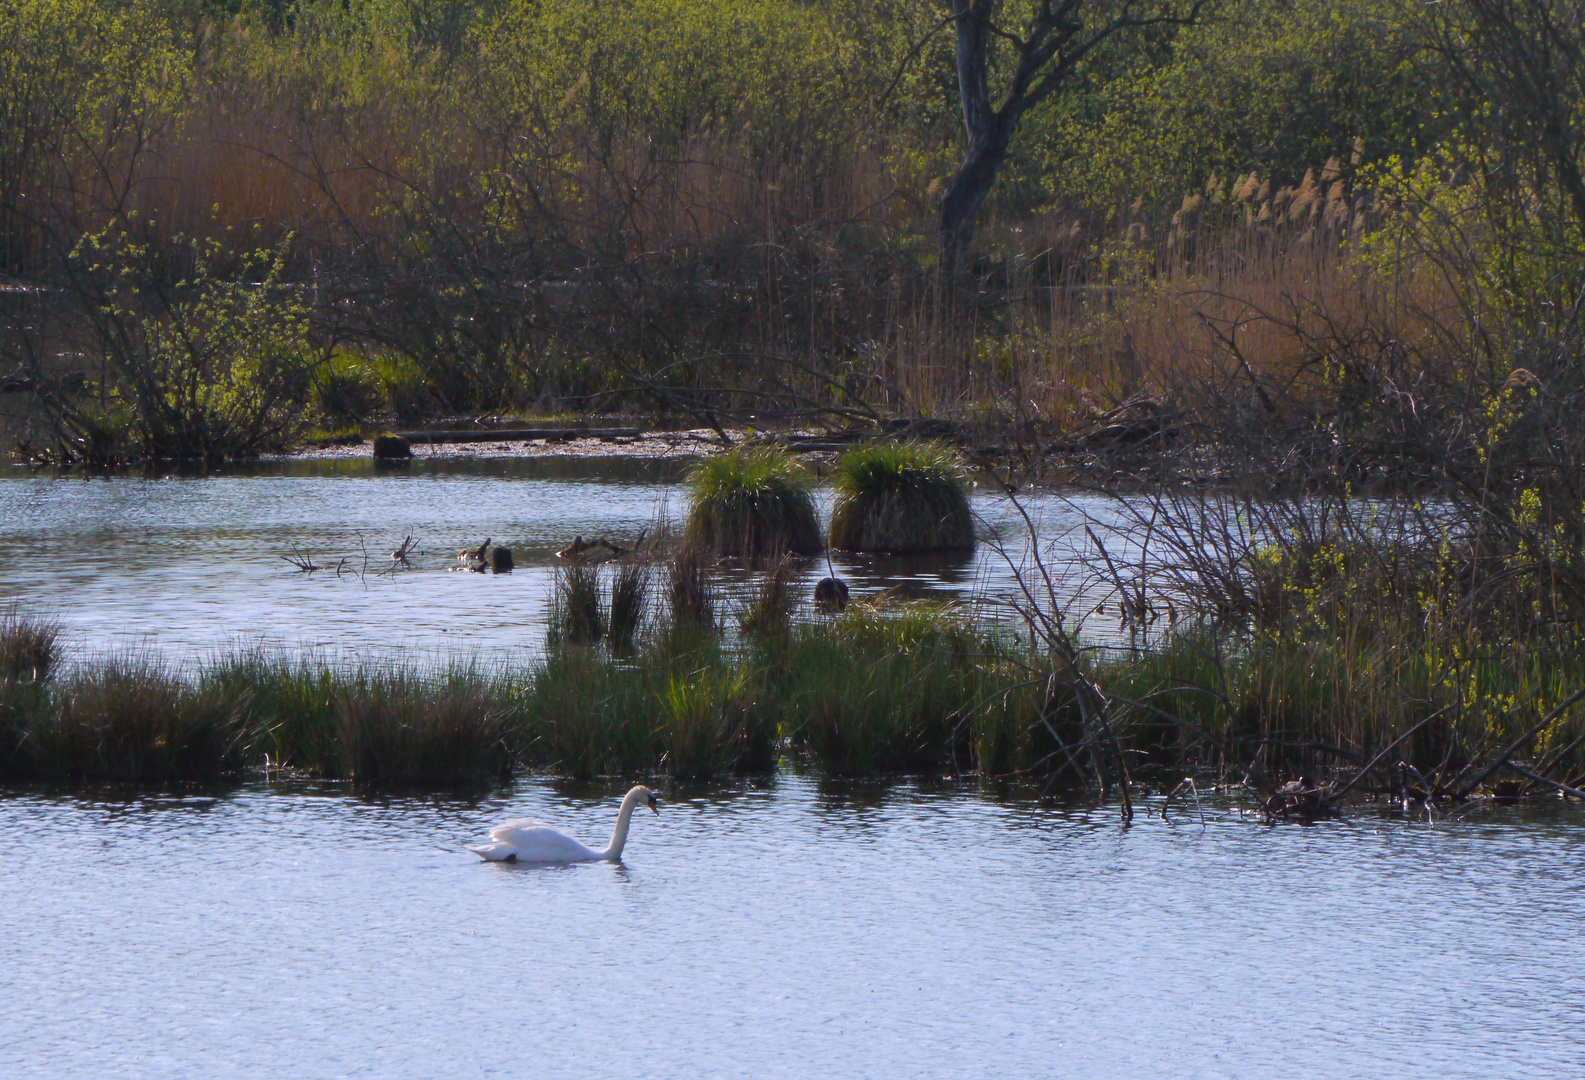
(619, 834)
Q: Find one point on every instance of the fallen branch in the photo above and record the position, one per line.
(1564, 788)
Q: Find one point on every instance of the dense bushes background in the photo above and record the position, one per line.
(488, 204)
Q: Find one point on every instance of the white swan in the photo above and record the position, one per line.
(523, 840)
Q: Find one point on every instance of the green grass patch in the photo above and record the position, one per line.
(400, 727)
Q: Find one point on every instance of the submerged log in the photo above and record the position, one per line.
(501, 560)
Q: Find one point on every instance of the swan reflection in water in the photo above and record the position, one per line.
(525, 841)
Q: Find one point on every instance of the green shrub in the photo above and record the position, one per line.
(218, 366)
(901, 497)
(752, 503)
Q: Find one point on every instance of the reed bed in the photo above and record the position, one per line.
(129, 719)
(875, 691)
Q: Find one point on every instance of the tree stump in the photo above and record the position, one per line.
(831, 594)
(392, 448)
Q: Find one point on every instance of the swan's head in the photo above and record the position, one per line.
(642, 794)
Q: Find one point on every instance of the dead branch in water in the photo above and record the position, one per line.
(399, 557)
(580, 548)
(304, 563)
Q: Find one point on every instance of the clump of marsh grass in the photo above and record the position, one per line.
(399, 727)
(27, 646)
(291, 706)
(709, 725)
(752, 503)
(690, 594)
(769, 604)
(629, 597)
(27, 657)
(577, 613)
(901, 497)
(131, 720)
(878, 691)
(585, 716)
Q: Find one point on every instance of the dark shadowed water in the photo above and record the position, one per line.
(792, 931)
(188, 565)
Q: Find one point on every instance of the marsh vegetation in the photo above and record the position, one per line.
(1327, 259)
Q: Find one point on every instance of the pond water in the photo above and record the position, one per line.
(796, 929)
(188, 565)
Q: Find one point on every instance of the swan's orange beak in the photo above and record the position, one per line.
(652, 805)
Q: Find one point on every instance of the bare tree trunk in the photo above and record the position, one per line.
(970, 184)
(1051, 43)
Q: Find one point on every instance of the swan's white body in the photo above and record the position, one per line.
(524, 840)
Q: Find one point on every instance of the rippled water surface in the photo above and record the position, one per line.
(188, 565)
(796, 930)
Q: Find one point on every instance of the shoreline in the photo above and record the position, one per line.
(649, 445)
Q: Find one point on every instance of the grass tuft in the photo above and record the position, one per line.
(27, 646)
(752, 503)
(690, 593)
(577, 613)
(629, 598)
(768, 607)
(901, 497)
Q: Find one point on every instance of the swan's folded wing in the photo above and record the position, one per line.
(501, 832)
(540, 843)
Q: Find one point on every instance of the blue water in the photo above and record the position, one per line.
(789, 930)
(189, 565)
